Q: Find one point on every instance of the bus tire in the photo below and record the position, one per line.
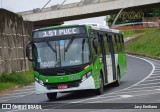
(100, 90)
(52, 96)
(117, 83)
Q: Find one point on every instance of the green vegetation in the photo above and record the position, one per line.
(139, 32)
(8, 81)
(123, 18)
(147, 44)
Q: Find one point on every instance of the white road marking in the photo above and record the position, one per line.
(143, 84)
(25, 89)
(154, 77)
(19, 93)
(153, 59)
(19, 96)
(153, 69)
(149, 80)
(126, 96)
(156, 73)
(14, 110)
(32, 85)
(14, 94)
(130, 92)
(123, 98)
(144, 88)
(7, 97)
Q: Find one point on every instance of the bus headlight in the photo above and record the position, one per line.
(86, 76)
(36, 79)
(39, 81)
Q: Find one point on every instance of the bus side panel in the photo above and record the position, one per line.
(122, 63)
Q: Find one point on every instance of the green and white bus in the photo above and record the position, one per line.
(76, 57)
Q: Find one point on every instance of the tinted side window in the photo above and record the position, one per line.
(122, 43)
(106, 42)
(115, 43)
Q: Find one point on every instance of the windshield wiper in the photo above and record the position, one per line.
(50, 46)
(58, 62)
(69, 44)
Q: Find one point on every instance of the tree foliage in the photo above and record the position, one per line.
(155, 12)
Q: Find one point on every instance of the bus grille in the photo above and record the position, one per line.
(61, 71)
(55, 86)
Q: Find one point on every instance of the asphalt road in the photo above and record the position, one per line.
(140, 85)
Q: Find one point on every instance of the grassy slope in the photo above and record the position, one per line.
(13, 80)
(139, 32)
(147, 44)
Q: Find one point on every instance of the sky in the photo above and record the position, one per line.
(25, 5)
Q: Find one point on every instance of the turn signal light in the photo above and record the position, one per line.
(86, 67)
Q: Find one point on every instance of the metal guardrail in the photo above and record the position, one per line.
(136, 23)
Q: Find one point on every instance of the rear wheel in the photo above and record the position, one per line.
(51, 96)
(117, 83)
(100, 90)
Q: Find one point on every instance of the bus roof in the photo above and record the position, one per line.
(94, 26)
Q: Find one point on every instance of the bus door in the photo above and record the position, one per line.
(103, 54)
(111, 60)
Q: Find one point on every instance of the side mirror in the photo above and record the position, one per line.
(29, 51)
(95, 45)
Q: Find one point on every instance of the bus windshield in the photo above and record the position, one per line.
(61, 53)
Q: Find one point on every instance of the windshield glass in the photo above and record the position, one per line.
(68, 52)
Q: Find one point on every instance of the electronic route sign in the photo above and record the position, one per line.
(59, 32)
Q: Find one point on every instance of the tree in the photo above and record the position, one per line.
(155, 12)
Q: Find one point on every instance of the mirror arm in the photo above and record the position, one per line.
(27, 51)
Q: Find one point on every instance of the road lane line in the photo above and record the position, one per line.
(144, 88)
(126, 95)
(7, 97)
(153, 77)
(148, 80)
(19, 96)
(15, 110)
(153, 69)
(130, 92)
(24, 89)
(32, 85)
(124, 98)
(13, 95)
(156, 74)
(61, 106)
(19, 93)
(148, 84)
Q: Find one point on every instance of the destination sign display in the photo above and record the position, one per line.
(58, 32)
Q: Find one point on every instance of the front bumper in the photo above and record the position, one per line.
(87, 84)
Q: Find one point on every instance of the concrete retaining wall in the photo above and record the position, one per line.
(14, 35)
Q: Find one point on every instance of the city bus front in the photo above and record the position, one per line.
(61, 60)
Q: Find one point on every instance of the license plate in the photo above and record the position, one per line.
(65, 86)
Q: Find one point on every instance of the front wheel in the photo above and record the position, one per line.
(100, 90)
(52, 96)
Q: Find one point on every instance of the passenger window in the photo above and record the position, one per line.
(106, 44)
